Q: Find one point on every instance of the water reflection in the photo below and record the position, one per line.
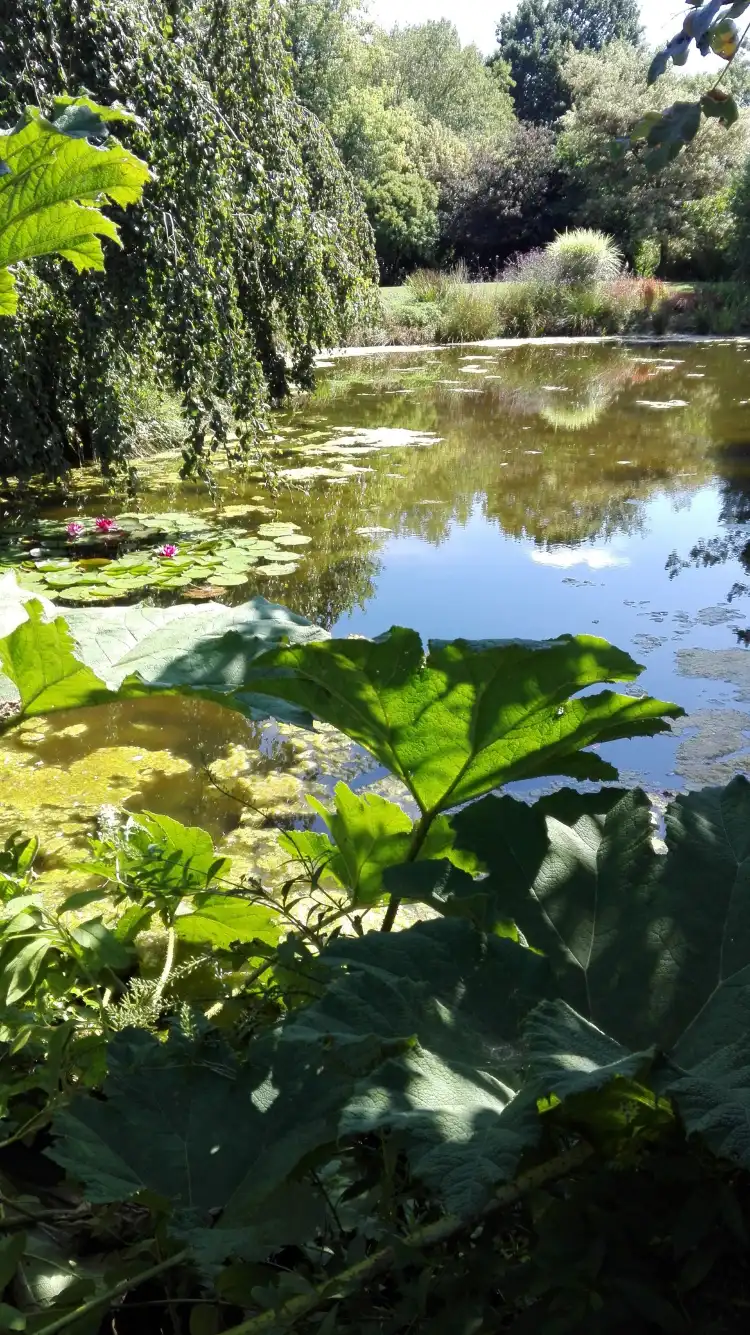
(521, 491)
(731, 460)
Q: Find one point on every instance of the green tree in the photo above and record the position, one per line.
(535, 38)
(387, 148)
(326, 42)
(426, 64)
(251, 249)
(685, 206)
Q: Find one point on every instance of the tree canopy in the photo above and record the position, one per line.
(407, 109)
(250, 251)
(533, 40)
(682, 206)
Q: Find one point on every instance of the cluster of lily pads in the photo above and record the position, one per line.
(106, 559)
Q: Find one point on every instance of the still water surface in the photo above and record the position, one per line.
(586, 488)
(508, 491)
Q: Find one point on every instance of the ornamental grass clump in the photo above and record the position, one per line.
(581, 258)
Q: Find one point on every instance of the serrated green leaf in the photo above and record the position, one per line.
(677, 946)
(45, 197)
(671, 933)
(466, 720)
(370, 834)
(8, 293)
(223, 919)
(184, 854)
(168, 1122)
(312, 849)
(568, 1055)
(576, 872)
(451, 1094)
(38, 657)
(214, 647)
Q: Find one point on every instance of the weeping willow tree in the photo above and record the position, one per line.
(250, 249)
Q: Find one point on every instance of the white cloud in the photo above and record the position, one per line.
(565, 557)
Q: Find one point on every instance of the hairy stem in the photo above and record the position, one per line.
(429, 1236)
(418, 837)
(116, 1291)
(168, 962)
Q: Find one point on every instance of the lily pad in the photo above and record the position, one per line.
(277, 529)
(274, 568)
(226, 579)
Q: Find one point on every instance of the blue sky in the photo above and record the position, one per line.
(476, 19)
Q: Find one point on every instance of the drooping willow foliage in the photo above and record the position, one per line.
(251, 247)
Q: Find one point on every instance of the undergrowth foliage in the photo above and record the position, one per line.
(250, 251)
(243, 1110)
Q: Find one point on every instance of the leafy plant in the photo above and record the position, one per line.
(51, 177)
(710, 25)
(333, 1127)
(468, 314)
(476, 1058)
(647, 257)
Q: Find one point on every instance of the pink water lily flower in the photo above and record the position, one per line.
(168, 550)
(74, 530)
(106, 525)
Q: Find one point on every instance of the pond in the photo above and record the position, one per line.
(486, 492)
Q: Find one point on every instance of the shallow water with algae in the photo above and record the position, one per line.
(483, 492)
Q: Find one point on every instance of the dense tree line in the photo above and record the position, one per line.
(462, 158)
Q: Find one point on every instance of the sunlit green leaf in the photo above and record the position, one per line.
(223, 920)
(45, 198)
(370, 834)
(38, 658)
(464, 720)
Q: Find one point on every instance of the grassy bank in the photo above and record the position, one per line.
(443, 308)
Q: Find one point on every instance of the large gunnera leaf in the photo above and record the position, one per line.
(203, 654)
(184, 1121)
(576, 873)
(466, 719)
(38, 658)
(451, 1094)
(655, 949)
(51, 183)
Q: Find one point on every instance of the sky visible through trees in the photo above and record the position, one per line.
(476, 21)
